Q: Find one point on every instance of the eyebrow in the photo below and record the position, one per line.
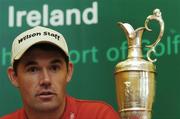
(56, 61)
(30, 63)
(35, 63)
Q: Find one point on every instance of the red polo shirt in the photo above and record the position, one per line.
(77, 109)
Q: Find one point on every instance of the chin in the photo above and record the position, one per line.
(44, 107)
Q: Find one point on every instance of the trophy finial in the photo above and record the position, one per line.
(157, 12)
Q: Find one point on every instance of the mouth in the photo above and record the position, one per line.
(45, 95)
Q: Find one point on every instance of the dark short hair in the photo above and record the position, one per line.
(45, 47)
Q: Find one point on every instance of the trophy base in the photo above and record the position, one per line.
(135, 115)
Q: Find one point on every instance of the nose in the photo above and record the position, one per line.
(45, 80)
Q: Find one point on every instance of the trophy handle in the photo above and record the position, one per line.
(156, 16)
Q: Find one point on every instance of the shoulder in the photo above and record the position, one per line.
(15, 115)
(92, 104)
(94, 109)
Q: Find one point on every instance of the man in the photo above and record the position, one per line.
(41, 71)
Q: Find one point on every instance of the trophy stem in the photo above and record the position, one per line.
(136, 114)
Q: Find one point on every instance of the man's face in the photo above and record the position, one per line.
(42, 77)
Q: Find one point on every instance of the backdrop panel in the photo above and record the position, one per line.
(96, 45)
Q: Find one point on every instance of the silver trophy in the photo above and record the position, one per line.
(135, 77)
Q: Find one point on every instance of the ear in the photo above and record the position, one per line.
(70, 71)
(12, 76)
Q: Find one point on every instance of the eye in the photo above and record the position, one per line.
(55, 67)
(32, 69)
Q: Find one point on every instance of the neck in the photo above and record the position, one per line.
(47, 114)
